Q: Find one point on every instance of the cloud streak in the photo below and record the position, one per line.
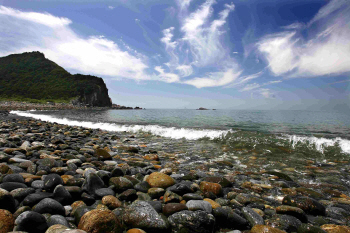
(327, 52)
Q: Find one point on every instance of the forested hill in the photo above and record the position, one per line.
(32, 77)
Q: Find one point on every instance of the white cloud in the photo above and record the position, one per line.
(185, 70)
(29, 31)
(250, 87)
(111, 7)
(266, 93)
(166, 77)
(184, 4)
(326, 53)
(215, 79)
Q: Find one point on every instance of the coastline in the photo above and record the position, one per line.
(162, 185)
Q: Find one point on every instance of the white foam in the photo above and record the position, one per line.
(171, 132)
(321, 143)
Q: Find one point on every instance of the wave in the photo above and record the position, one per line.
(170, 132)
(320, 143)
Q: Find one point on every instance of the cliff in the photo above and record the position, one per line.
(32, 77)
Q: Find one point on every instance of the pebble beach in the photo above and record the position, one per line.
(59, 178)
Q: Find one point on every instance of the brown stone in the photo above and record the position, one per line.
(265, 229)
(111, 202)
(102, 154)
(135, 230)
(57, 228)
(172, 208)
(151, 157)
(213, 204)
(7, 221)
(4, 169)
(65, 178)
(96, 221)
(332, 228)
(160, 180)
(210, 187)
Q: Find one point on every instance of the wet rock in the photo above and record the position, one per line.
(128, 195)
(100, 221)
(213, 204)
(13, 178)
(252, 217)
(211, 187)
(155, 192)
(100, 193)
(102, 154)
(192, 221)
(307, 204)
(57, 219)
(51, 181)
(37, 184)
(172, 208)
(227, 218)
(265, 229)
(332, 228)
(135, 230)
(141, 214)
(24, 222)
(160, 180)
(21, 193)
(308, 228)
(111, 202)
(192, 196)
(49, 206)
(61, 195)
(92, 183)
(7, 202)
(9, 186)
(287, 223)
(199, 205)
(7, 221)
(180, 188)
(57, 228)
(142, 186)
(79, 212)
(171, 197)
(280, 175)
(220, 180)
(337, 213)
(157, 205)
(120, 184)
(293, 211)
(34, 198)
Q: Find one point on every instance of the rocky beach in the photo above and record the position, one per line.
(59, 178)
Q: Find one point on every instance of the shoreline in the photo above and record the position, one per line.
(160, 185)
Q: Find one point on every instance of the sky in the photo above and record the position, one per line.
(237, 54)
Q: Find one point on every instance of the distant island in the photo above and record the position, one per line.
(30, 78)
(201, 108)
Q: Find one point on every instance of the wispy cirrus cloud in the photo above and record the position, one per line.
(32, 31)
(327, 52)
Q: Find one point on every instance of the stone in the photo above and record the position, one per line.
(171, 197)
(293, 211)
(265, 229)
(57, 219)
(220, 180)
(100, 193)
(13, 178)
(7, 202)
(253, 217)
(309, 205)
(111, 202)
(192, 221)
(9, 186)
(211, 187)
(172, 208)
(332, 228)
(128, 195)
(308, 228)
(92, 183)
(102, 154)
(160, 180)
(24, 222)
(192, 196)
(199, 205)
(142, 187)
(37, 184)
(20, 193)
(155, 193)
(120, 184)
(141, 214)
(57, 228)
(213, 204)
(181, 188)
(135, 230)
(96, 221)
(34, 198)
(7, 221)
(51, 181)
(62, 195)
(227, 218)
(49, 206)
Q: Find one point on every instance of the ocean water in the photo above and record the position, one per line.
(309, 133)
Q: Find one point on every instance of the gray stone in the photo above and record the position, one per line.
(7, 202)
(253, 217)
(31, 221)
(57, 219)
(49, 206)
(199, 205)
(192, 221)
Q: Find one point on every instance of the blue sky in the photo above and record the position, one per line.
(241, 54)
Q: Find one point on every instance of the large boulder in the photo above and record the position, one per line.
(192, 221)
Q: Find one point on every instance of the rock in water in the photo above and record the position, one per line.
(160, 180)
(100, 221)
(142, 215)
(192, 221)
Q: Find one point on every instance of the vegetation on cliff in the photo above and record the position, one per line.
(33, 78)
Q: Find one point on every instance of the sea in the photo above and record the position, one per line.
(322, 134)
